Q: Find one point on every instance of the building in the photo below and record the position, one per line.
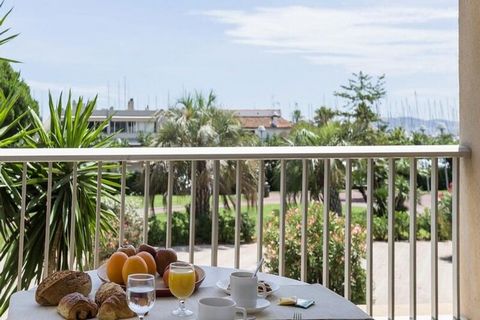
(128, 124)
(131, 123)
(263, 122)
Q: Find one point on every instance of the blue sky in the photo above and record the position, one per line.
(253, 54)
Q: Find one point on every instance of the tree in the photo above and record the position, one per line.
(297, 115)
(361, 96)
(67, 129)
(10, 82)
(12, 87)
(324, 115)
(197, 122)
(309, 135)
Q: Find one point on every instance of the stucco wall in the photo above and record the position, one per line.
(470, 168)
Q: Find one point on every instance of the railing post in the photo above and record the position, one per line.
(413, 237)
(391, 238)
(146, 201)
(193, 196)
(282, 213)
(169, 204)
(47, 222)
(304, 256)
(261, 194)
(370, 201)
(73, 218)
(238, 212)
(21, 239)
(98, 206)
(348, 224)
(456, 237)
(434, 239)
(216, 187)
(121, 237)
(326, 221)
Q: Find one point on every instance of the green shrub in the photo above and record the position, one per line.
(203, 230)
(227, 228)
(402, 225)
(315, 245)
(444, 225)
(380, 228)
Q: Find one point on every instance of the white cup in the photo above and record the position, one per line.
(244, 289)
(219, 309)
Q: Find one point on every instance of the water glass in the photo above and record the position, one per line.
(140, 293)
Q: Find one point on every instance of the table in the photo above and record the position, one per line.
(328, 305)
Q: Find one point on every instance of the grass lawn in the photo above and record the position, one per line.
(358, 214)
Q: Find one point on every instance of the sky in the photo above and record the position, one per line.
(252, 54)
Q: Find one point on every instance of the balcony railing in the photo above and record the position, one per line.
(284, 154)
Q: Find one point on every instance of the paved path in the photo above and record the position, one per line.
(380, 265)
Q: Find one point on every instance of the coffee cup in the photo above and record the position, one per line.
(219, 309)
(244, 289)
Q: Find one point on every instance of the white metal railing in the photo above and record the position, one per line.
(347, 153)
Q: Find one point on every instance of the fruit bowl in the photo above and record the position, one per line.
(161, 289)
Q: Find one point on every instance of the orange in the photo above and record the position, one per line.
(151, 265)
(165, 276)
(134, 264)
(115, 266)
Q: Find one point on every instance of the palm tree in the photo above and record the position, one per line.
(323, 115)
(197, 122)
(308, 135)
(296, 115)
(68, 128)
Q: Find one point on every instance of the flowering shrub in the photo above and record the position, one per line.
(314, 249)
(133, 230)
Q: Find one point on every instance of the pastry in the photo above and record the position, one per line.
(75, 306)
(53, 288)
(113, 302)
(113, 308)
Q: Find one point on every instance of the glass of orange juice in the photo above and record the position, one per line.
(181, 281)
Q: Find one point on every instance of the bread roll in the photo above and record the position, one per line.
(113, 302)
(75, 306)
(53, 288)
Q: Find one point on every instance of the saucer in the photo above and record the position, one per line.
(262, 304)
(223, 285)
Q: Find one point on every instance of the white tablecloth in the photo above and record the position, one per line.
(328, 305)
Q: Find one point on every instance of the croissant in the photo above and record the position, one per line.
(115, 308)
(53, 288)
(113, 302)
(75, 306)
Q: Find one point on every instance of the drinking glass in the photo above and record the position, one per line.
(140, 293)
(181, 281)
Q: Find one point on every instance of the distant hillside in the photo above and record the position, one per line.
(415, 124)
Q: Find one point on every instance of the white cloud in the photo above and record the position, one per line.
(392, 40)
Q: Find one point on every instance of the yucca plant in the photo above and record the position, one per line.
(69, 128)
(4, 38)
